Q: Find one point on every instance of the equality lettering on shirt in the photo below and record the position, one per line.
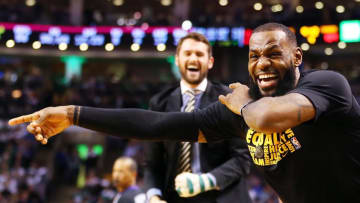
(268, 149)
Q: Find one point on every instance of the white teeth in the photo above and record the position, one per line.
(264, 76)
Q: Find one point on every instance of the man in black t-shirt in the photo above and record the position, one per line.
(302, 129)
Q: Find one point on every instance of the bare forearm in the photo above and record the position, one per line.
(257, 115)
(276, 114)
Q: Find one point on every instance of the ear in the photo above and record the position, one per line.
(298, 54)
(211, 62)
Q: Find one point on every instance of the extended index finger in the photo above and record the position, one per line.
(24, 119)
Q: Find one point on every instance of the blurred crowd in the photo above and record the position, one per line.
(201, 13)
(23, 176)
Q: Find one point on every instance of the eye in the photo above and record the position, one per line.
(253, 56)
(199, 54)
(275, 54)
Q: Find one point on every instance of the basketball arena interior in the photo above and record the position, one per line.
(118, 54)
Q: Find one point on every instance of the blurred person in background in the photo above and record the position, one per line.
(124, 179)
(165, 162)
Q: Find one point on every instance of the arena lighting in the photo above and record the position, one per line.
(341, 45)
(331, 37)
(329, 29)
(299, 9)
(145, 26)
(98, 149)
(258, 6)
(161, 47)
(36, 45)
(100, 35)
(84, 47)
(305, 46)
(350, 31)
(178, 34)
(186, 25)
(62, 46)
(247, 36)
(319, 5)
(135, 47)
(330, 33)
(324, 65)
(223, 2)
(160, 36)
(73, 66)
(118, 2)
(276, 8)
(310, 33)
(82, 151)
(166, 2)
(137, 15)
(10, 43)
(30, 3)
(109, 47)
(16, 94)
(340, 9)
(328, 51)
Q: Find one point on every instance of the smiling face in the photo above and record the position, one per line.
(194, 61)
(273, 62)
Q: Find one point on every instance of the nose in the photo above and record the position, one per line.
(193, 57)
(263, 63)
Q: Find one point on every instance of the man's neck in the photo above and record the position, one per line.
(199, 86)
(122, 189)
(190, 85)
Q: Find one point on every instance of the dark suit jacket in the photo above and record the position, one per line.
(132, 194)
(228, 160)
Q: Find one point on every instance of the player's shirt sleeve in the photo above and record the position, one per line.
(140, 124)
(217, 122)
(329, 92)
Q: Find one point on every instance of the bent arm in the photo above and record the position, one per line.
(277, 114)
(140, 124)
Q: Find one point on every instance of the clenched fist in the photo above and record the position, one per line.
(189, 184)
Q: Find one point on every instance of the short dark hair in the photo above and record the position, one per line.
(277, 26)
(197, 37)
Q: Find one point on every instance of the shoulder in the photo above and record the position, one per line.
(133, 195)
(325, 77)
(219, 87)
(163, 95)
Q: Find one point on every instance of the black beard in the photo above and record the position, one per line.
(284, 85)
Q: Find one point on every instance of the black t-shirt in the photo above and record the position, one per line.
(317, 161)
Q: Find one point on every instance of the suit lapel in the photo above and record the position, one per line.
(175, 101)
(206, 97)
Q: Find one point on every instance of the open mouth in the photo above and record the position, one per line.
(267, 81)
(192, 68)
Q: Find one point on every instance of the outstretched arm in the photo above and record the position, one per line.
(126, 123)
